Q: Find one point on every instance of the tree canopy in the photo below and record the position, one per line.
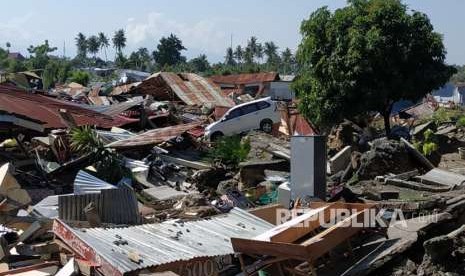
(364, 57)
(169, 51)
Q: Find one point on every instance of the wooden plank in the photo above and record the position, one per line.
(292, 251)
(325, 241)
(30, 268)
(293, 229)
(420, 157)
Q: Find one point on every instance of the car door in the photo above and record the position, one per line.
(232, 122)
(250, 117)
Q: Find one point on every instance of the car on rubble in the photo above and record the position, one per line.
(258, 114)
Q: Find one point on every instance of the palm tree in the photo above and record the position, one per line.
(259, 52)
(93, 45)
(239, 54)
(8, 45)
(248, 55)
(271, 53)
(229, 58)
(253, 46)
(81, 44)
(104, 43)
(287, 60)
(119, 40)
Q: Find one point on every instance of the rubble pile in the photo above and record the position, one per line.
(123, 180)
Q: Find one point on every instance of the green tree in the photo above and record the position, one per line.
(287, 61)
(253, 48)
(229, 58)
(39, 55)
(81, 44)
(169, 51)
(271, 53)
(121, 61)
(8, 46)
(80, 77)
(364, 57)
(104, 43)
(93, 45)
(239, 54)
(200, 64)
(119, 40)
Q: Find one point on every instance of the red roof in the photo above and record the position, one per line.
(245, 78)
(47, 110)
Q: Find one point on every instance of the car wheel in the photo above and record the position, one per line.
(215, 136)
(266, 126)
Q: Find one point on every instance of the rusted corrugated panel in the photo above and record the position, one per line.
(190, 88)
(46, 109)
(238, 79)
(162, 243)
(154, 136)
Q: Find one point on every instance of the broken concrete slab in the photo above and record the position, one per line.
(253, 172)
(11, 189)
(340, 160)
(441, 177)
(163, 193)
(417, 186)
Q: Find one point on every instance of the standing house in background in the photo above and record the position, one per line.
(266, 84)
(450, 94)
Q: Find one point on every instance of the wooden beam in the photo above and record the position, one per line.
(291, 251)
(333, 236)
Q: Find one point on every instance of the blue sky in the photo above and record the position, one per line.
(204, 26)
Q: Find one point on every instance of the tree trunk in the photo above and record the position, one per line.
(387, 118)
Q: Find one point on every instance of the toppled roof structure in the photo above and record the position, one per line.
(16, 101)
(170, 242)
(238, 79)
(189, 88)
(154, 136)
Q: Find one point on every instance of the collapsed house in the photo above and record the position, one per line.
(187, 88)
(256, 85)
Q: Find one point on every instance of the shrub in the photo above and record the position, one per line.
(429, 144)
(80, 77)
(461, 122)
(230, 150)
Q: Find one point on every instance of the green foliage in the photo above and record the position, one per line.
(199, 64)
(119, 40)
(80, 77)
(230, 150)
(108, 164)
(39, 55)
(139, 60)
(364, 57)
(93, 45)
(169, 51)
(461, 122)
(458, 77)
(55, 71)
(429, 144)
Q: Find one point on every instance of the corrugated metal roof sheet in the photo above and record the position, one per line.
(171, 241)
(190, 88)
(238, 79)
(154, 136)
(46, 109)
(85, 183)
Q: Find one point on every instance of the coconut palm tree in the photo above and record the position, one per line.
(119, 40)
(93, 45)
(8, 45)
(81, 44)
(239, 54)
(104, 43)
(229, 58)
(271, 53)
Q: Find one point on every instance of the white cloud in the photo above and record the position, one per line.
(201, 36)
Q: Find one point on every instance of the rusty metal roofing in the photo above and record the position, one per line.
(47, 110)
(239, 79)
(162, 243)
(190, 88)
(154, 136)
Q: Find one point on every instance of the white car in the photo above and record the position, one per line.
(259, 114)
